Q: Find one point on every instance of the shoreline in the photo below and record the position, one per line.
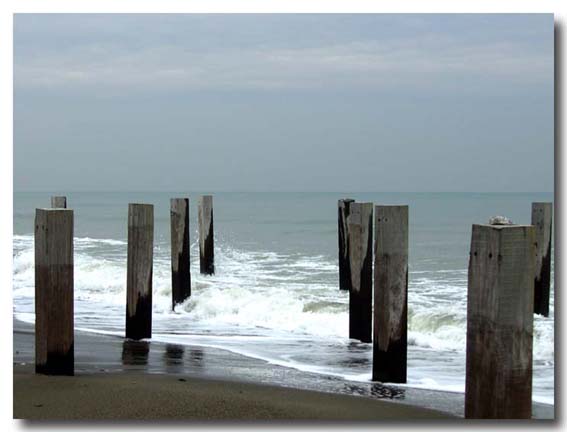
(102, 358)
(140, 382)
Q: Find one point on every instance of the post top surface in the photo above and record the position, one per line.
(542, 203)
(140, 204)
(502, 227)
(392, 205)
(53, 209)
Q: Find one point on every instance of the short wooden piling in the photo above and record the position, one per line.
(139, 271)
(359, 223)
(542, 214)
(500, 322)
(58, 202)
(180, 267)
(206, 235)
(344, 263)
(390, 294)
(54, 339)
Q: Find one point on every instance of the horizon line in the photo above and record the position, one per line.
(55, 190)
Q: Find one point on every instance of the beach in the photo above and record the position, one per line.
(122, 379)
(117, 379)
(143, 396)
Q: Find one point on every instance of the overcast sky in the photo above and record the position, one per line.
(283, 102)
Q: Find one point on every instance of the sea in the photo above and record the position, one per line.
(274, 295)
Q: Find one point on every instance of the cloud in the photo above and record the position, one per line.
(178, 58)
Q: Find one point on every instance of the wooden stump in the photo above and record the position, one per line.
(359, 224)
(500, 322)
(542, 214)
(140, 270)
(58, 202)
(206, 236)
(180, 265)
(390, 294)
(54, 339)
(344, 263)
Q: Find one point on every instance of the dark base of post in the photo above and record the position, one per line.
(360, 317)
(391, 365)
(207, 261)
(139, 326)
(344, 262)
(542, 286)
(181, 286)
(58, 364)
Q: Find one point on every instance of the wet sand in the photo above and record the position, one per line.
(176, 397)
(121, 379)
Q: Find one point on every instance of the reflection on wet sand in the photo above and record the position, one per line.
(175, 358)
(379, 391)
(356, 355)
(135, 353)
(173, 354)
(196, 357)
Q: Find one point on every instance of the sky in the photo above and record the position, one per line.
(284, 102)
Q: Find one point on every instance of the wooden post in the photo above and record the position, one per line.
(389, 362)
(58, 202)
(54, 352)
(180, 268)
(344, 264)
(359, 223)
(542, 213)
(140, 269)
(500, 322)
(206, 235)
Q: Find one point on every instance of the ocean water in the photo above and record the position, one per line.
(275, 293)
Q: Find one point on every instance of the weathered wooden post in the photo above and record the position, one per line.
(58, 202)
(344, 264)
(542, 213)
(359, 223)
(180, 267)
(390, 347)
(206, 235)
(140, 269)
(500, 322)
(54, 352)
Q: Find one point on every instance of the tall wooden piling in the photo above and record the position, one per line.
(54, 349)
(542, 214)
(180, 267)
(359, 223)
(139, 271)
(344, 263)
(206, 235)
(390, 294)
(58, 202)
(500, 322)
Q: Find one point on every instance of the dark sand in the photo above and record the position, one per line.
(175, 397)
(121, 379)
